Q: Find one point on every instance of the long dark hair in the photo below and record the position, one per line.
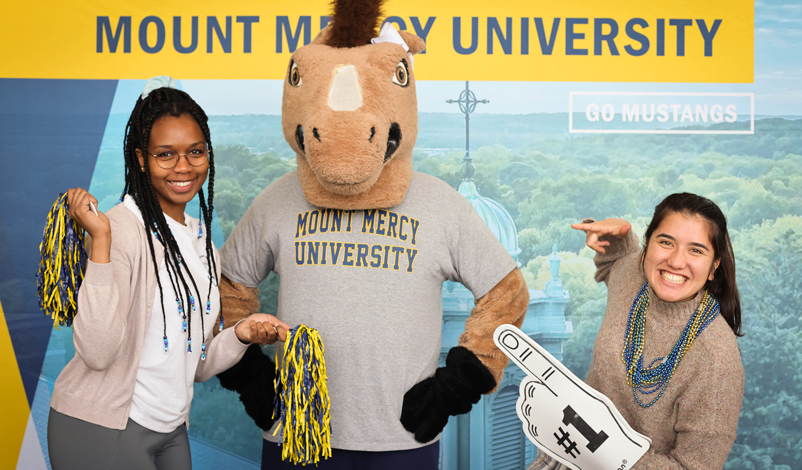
(168, 102)
(723, 285)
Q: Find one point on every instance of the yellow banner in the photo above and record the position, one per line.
(582, 40)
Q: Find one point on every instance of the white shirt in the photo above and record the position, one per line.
(164, 381)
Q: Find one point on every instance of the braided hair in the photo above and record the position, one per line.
(168, 102)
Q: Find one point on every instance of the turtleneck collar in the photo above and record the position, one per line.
(680, 311)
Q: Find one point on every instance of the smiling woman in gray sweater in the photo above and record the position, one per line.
(666, 353)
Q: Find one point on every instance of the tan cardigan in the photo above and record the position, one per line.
(692, 426)
(114, 307)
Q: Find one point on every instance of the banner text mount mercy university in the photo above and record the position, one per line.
(617, 41)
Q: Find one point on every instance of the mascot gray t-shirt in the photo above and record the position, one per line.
(370, 282)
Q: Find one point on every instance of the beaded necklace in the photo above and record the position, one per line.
(652, 378)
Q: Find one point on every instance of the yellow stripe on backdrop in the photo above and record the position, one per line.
(581, 40)
(14, 408)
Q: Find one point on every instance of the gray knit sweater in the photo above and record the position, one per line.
(693, 425)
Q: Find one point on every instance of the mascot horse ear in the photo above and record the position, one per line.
(415, 44)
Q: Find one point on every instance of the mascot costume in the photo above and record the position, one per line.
(363, 244)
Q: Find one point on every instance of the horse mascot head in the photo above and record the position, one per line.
(350, 110)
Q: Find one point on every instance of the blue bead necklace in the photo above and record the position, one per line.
(654, 378)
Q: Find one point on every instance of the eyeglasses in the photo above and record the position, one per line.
(169, 158)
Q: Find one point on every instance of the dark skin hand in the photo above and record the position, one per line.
(261, 328)
(97, 226)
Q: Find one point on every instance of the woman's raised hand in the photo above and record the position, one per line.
(97, 226)
(261, 328)
(593, 231)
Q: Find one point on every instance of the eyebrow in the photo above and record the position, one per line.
(171, 146)
(665, 235)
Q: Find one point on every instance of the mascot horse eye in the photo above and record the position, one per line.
(295, 75)
(401, 75)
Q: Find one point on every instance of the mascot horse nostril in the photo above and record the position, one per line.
(372, 133)
(299, 137)
(314, 133)
(393, 140)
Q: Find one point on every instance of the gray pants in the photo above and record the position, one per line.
(77, 444)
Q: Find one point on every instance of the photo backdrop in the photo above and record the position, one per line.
(594, 110)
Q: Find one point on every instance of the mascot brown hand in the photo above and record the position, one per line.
(350, 113)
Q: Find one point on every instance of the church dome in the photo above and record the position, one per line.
(495, 216)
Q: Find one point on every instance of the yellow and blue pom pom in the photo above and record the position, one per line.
(62, 264)
(303, 407)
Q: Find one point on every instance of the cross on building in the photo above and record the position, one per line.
(467, 104)
(469, 441)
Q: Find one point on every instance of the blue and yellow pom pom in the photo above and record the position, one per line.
(62, 266)
(303, 407)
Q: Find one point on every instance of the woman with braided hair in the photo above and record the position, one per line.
(149, 303)
(666, 354)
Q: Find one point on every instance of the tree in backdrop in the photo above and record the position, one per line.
(548, 181)
(770, 280)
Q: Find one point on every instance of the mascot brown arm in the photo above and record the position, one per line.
(473, 368)
(252, 377)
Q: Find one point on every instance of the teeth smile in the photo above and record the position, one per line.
(673, 278)
(181, 184)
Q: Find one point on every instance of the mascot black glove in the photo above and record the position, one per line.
(453, 390)
(252, 377)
